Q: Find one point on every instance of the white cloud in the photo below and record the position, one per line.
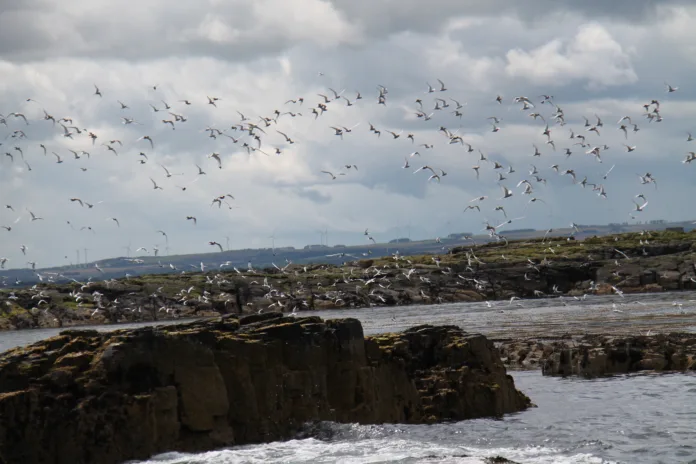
(593, 55)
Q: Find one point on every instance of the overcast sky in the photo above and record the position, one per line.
(604, 58)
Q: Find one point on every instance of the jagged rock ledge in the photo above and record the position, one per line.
(599, 355)
(107, 397)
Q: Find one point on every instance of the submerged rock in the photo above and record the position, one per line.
(94, 397)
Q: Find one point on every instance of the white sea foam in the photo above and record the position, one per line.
(371, 451)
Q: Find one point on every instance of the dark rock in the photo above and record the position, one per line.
(94, 397)
(599, 355)
(499, 460)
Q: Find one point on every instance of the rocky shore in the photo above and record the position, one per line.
(599, 355)
(94, 397)
(533, 269)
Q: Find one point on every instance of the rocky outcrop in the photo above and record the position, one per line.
(597, 355)
(534, 268)
(94, 397)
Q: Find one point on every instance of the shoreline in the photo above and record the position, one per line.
(533, 273)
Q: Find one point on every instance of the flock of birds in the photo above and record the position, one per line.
(295, 288)
(74, 143)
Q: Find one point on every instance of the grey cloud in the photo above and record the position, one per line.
(312, 195)
(32, 30)
(287, 192)
(382, 19)
(234, 30)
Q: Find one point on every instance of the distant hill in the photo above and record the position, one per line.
(310, 254)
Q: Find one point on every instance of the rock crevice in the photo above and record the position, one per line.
(94, 397)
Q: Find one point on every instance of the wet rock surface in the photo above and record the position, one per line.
(94, 397)
(599, 355)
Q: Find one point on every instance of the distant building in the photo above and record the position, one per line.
(315, 247)
(400, 240)
(459, 236)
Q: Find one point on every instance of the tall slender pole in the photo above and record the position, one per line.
(77, 263)
(327, 236)
(85, 256)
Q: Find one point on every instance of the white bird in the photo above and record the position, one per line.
(34, 217)
(154, 184)
(507, 193)
(640, 207)
(147, 137)
(166, 171)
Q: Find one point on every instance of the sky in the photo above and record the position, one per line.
(594, 58)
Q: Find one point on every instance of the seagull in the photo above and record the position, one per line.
(330, 173)
(166, 170)
(609, 171)
(507, 193)
(216, 157)
(154, 184)
(640, 207)
(287, 139)
(34, 217)
(147, 137)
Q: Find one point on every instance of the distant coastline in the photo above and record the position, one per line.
(310, 254)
